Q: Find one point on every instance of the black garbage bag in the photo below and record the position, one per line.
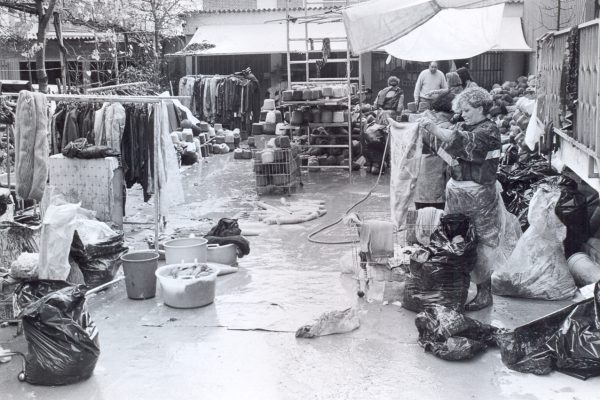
(439, 273)
(62, 339)
(98, 262)
(567, 340)
(571, 209)
(31, 291)
(451, 336)
(517, 181)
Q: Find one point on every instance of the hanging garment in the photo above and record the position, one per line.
(31, 145)
(114, 124)
(99, 132)
(169, 179)
(71, 127)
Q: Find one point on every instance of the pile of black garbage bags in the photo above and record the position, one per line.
(574, 209)
(567, 340)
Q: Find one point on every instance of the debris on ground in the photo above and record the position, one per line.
(331, 323)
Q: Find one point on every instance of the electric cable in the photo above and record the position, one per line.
(320, 230)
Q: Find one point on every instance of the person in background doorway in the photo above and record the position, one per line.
(433, 173)
(465, 77)
(454, 82)
(429, 80)
(390, 100)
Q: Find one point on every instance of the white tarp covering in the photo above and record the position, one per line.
(264, 38)
(428, 29)
(511, 37)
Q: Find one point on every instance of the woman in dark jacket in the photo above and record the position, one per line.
(472, 149)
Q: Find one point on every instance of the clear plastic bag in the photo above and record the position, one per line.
(537, 267)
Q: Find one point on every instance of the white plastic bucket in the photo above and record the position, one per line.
(185, 250)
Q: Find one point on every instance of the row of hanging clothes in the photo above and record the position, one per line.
(128, 129)
(231, 100)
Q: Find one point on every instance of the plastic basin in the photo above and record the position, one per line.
(186, 293)
(226, 254)
(186, 250)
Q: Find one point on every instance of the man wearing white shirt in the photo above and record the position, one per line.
(429, 80)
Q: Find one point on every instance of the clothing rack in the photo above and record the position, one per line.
(124, 99)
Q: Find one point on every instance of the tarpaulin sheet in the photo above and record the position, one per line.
(408, 29)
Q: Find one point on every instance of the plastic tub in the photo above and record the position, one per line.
(187, 250)
(186, 293)
(139, 268)
(226, 254)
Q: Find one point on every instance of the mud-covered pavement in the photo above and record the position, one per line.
(243, 346)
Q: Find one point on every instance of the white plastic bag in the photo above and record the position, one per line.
(60, 221)
(537, 268)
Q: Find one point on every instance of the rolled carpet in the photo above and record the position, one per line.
(31, 145)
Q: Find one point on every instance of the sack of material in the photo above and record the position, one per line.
(406, 147)
(537, 268)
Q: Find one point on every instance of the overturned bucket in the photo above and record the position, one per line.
(139, 268)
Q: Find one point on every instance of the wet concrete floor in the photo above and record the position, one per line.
(243, 346)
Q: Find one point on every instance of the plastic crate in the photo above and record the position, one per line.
(282, 174)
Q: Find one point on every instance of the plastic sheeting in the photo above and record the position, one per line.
(567, 340)
(406, 148)
(537, 268)
(407, 29)
(451, 336)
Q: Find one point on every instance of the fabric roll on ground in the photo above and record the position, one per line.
(406, 148)
(31, 145)
(377, 238)
(288, 213)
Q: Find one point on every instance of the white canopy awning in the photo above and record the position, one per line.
(262, 38)
(442, 39)
(511, 36)
(424, 30)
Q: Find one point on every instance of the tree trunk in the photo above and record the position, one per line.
(40, 58)
(40, 55)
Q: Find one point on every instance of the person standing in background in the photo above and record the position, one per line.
(465, 77)
(429, 80)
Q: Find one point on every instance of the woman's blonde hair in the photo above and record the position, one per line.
(475, 97)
